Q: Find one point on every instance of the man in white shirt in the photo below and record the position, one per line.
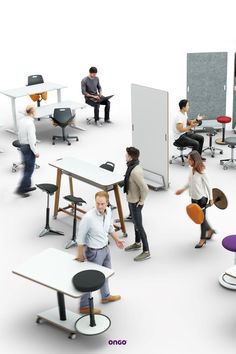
(92, 240)
(27, 139)
(183, 126)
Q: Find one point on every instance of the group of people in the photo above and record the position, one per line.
(96, 225)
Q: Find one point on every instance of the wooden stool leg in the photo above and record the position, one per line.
(119, 208)
(57, 194)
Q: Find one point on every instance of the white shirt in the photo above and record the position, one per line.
(94, 228)
(198, 185)
(179, 118)
(27, 133)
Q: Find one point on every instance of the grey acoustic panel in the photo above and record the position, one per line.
(206, 83)
(234, 96)
(150, 125)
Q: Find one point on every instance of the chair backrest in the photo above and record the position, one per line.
(35, 79)
(109, 166)
(62, 116)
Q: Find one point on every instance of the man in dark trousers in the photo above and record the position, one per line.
(27, 139)
(136, 190)
(92, 91)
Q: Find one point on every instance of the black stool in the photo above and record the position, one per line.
(109, 166)
(50, 189)
(211, 132)
(86, 282)
(15, 165)
(76, 201)
(181, 156)
(231, 142)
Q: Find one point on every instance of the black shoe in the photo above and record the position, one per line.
(200, 246)
(108, 121)
(203, 158)
(212, 232)
(23, 195)
(31, 189)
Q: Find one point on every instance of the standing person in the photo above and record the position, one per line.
(92, 91)
(27, 139)
(199, 191)
(182, 129)
(92, 240)
(136, 190)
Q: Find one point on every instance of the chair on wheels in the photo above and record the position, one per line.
(15, 165)
(223, 120)
(38, 97)
(50, 189)
(86, 282)
(181, 155)
(75, 201)
(211, 132)
(227, 281)
(62, 117)
(231, 141)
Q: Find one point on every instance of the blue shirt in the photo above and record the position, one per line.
(94, 228)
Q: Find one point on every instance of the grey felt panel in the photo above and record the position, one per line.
(206, 83)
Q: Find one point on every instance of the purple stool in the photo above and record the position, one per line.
(228, 279)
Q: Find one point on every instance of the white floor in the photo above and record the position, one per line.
(171, 303)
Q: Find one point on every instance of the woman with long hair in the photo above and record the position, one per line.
(200, 192)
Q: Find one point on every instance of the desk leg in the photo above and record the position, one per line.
(57, 194)
(71, 185)
(13, 109)
(61, 306)
(119, 208)
(58, 95)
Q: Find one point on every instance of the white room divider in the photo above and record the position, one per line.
(150, 133)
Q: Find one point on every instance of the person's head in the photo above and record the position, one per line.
(132, 153)
(184, 105)
(30, 110)
(195, 161)
(101, 200)
(93, 72)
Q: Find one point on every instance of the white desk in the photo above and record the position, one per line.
(45, 111)
(55, 269)
(30, 90)
(88, 173)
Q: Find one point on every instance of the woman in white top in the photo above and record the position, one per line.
(199, 191)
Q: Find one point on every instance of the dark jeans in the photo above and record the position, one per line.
(191, 139)
(140, 234)
(96, 106)
(29, 162)
(204, 226)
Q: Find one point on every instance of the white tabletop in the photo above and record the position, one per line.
(32, 89)
(55, 269)
(87, 172)
(46, 110)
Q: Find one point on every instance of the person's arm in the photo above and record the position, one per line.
(180, 127)
(208, 187)
(140, 182)
(81, 239)
(183, 189)
(99, 88)
(32, 138)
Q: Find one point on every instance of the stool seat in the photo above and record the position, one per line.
(48, 188)
(16, 143)
(229, 243)
(210, 131)
(88, 280)
(179, 147)
(231, 140)
(75, 200)
(223, 119)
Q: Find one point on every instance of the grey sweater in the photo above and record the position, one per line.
(137, 188)
(90, 86)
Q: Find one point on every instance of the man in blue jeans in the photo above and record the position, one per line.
(92, 240)
(27, 139)
(136, 191)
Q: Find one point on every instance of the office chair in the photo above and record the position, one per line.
(62, 117)
(181, 156)
(34, 80)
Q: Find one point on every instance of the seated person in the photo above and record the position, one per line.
(183, 134)
(92, 91)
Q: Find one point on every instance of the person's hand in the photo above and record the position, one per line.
(211, 202)
(139, 204)
(37, 155)
(179, 191)
(199, 116)
(120, 243)
(80, 258)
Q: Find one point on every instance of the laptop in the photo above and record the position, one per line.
(105, 98)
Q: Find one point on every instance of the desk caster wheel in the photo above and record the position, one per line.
(13, 170)
(212, 155)
(37, 167)
(221, 152)
(125, 234)
(170, 162)
(53, 143)
(77, 139)
(39, 320)
(72, 336)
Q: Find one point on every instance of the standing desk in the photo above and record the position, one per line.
(91, 174)
(55, 269)
(30, 90)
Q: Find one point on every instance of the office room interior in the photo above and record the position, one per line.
(173, 301)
